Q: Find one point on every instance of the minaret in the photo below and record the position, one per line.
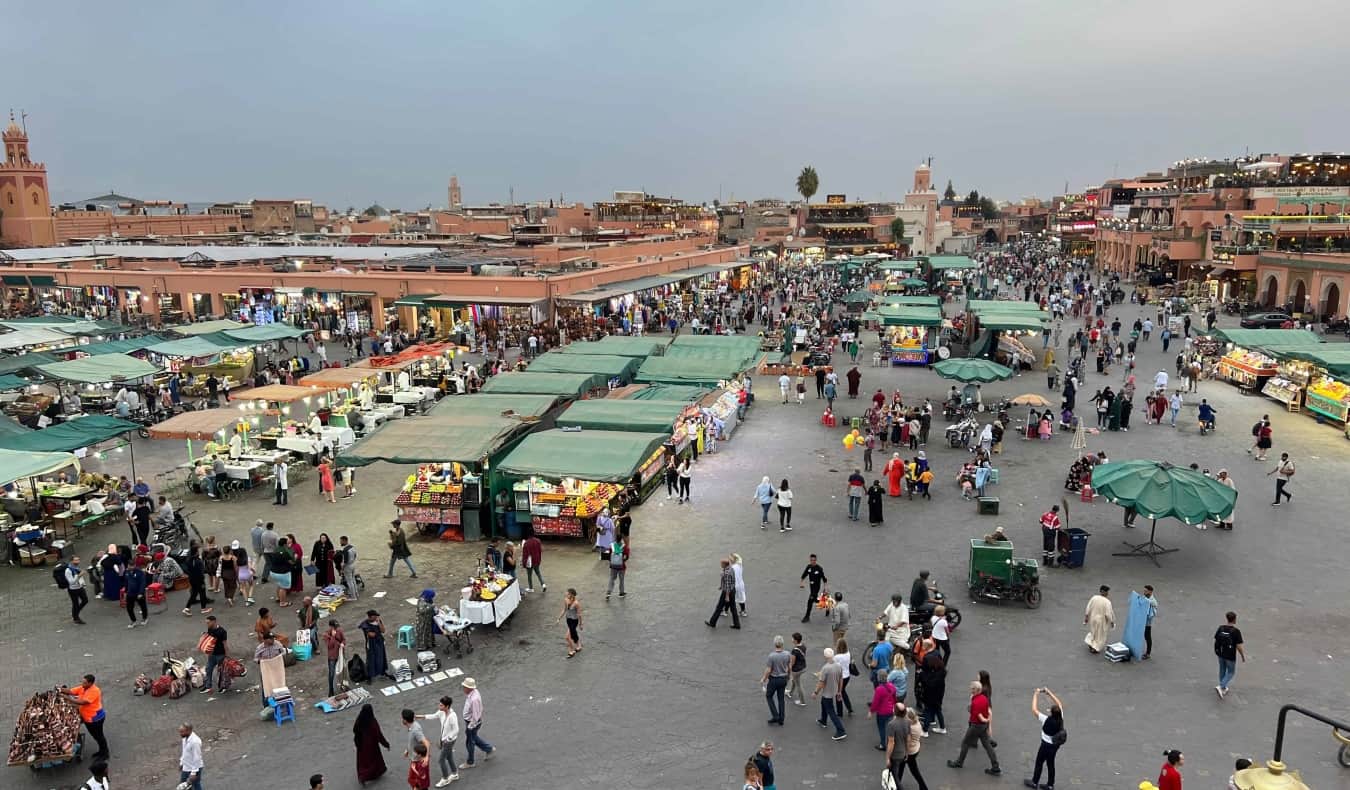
(456, 199)
(24, 201)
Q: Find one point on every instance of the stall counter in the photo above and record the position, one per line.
(495, 611)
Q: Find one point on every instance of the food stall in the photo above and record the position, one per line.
(202, 355)
(490, 597)
(617, 370)
(1247, 368)
(292, 406)
(618, 345)
(1252, 356)
(213, 428)
(563, 479)
(32, 542)
(907, 332)
(353, 392)
(424, 363)
(640, 416)
(1329, 397)
(567, 385)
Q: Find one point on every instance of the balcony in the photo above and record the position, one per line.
(1179, 249)
(1236, 249)
(1295, 222)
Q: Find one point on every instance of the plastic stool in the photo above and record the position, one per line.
(405, 636)
(155, 593)
(855, 423)
(282, 711)
(1085, 494)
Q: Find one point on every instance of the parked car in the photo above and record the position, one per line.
(1265, 320)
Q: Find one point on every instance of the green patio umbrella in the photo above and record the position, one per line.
(970, 369)
(913, 282)
(1157, 489)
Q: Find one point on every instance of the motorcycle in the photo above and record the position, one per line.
(960, 434)
(1336, 326)
(920, 620)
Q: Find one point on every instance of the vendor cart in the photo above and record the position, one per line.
(48, 732)
(995, 575)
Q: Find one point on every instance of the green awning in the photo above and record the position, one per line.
(1012, 321)
(468, 439)
(16, 465)
(597, 456)
(196, 346)
(909, 315)
(688, 370)
(41, 280)
(69, 435)
(33, 336)
(569, 385)
(100, 369)
(618, 345)
(412, 300)
(856, 297)
(898, 266)
(608, 365)
(950, 262)
(978, 306)
(494, 405)
(126, 346)
(610, 414)
(681, 393)
(10, 427)
(15, 279)
(16, 363)
(621, 288)
(9, 381)
(207, 327)
(1333, 357)
(264, 333)
(912, 301)
(1268, 338)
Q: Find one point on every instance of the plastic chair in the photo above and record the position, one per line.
(405, 636)
(282, 711)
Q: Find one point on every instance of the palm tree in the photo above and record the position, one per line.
(807, 183)
(898, 231)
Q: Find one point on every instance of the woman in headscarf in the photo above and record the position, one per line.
(987, 438)
(895, 472)
(604, 533)
(369, 738)
(377, 660)
(321, 556)
(424, 628)
(297, 565)
(854, 377)
(874, 495)
(921, 462)
(112, 567)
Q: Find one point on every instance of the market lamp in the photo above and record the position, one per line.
(1274, 775)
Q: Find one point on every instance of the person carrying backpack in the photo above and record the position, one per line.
(1053, 736)
(618, 566)
(1227, 647)
(70, 577)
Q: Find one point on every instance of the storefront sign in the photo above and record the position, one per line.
(835, 200)
(1299, 192)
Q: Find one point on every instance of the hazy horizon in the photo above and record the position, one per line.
(352, 104)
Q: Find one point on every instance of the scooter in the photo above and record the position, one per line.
(960, 434)
(920, 620)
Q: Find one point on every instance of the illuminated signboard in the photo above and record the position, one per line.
(836, 199)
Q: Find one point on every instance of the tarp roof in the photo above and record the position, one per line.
(10, 427)
(18, 362)
(339, 377)
(33, 336)
(599, 456)
(569, 385)
(207, 345)
(860, 296)
(494, 405)
(1012, 321)
(207, 327)
(1335, 357)
(606, 414)
(608, 365)
(941, 262)
(898, 266)
(201, 424)
(16, 465)
(467, 438)
(1268, 338)
(621, 288)
(266, 332)
(680, 369)
(680, 393)
(9, 381)
(279, 393)
(901, 299)
(65, 324)
(100, 369)
(69, 435)
(908, 315)
(978, 306)
(126, 346)
(618, 345)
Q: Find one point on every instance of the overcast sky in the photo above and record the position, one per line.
(354, 102)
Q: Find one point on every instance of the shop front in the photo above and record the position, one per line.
(630, 305)
(1252, 357)
(908, 332)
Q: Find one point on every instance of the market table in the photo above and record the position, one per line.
(338, 436)
(495, 611)
(308, 445)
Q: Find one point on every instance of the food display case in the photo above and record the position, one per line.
(568, 508)
(1288, 392)
(433, 501)
(1328, 397)
(724, 408)
(906, 345)
(1246, 368)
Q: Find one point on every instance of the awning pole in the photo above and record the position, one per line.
(133, 459)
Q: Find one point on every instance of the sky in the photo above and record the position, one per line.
(350, 103)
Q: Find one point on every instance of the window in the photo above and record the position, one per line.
(11, 198)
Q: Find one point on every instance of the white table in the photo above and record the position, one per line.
(384, 412)
(264, 457)
(338, 436)
(308, 445)
(241, 471)
(495, 611)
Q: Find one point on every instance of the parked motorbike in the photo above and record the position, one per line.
(1336, 326)
(960, 434)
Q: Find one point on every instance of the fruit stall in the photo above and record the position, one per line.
(489, 598)
(564, 478)
(1329, 397)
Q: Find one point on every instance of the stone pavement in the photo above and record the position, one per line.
(659, 700)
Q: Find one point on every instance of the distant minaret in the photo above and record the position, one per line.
(456, 199)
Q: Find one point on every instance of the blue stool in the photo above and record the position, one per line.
(282, 711)
(405, 636)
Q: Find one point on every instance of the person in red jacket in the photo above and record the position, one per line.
(531, 554)
(1170, 776)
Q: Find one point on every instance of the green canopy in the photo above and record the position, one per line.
(14, 364)
(742, 350)
(608, 365)
(196, 346)
(898, 266)
(265, 332)
(1334, 357)
(862, 296)
(1012, 321)
(69, 435)
(126, 346)
(908, 315)
(618, 345)
(597, 456)
(33, 336)
(570, 385)
(970, 369)
(610, 414)
(15, 465)
(675, 369)
(207, 327)
(466, 438)
(669, 392)
(913, 282)
(950, 262)
(10, 428)
(9, 381)
(1268, 338)
(920, 300)
(100, 369)
(1157, 489)
(981, 306)
(494, 405)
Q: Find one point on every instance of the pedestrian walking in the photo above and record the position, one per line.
(398, 549)
(190, 763)
(784, 382)
(1175, 405)
(869, 444)
(1228, 647)
(472, 714)
(798, 667)
(217, 651)
(89, 698)
(784, 499)
(978, 730)
(72, 578)
(281, 481)
(1169, 778)
(930, 677)
(1053, 736)
(903, 741)
(345, 559)
(844, 659)
(1148, 622)
(335, 644)
(196, 574)
(369, 739)
(855, 489)
(1226, 522)
(532, 555)
(1284, 472)
(777, 668)
(763, 760)
(1264, 438)
(1099, 617)
(726, 597)
(875, 497)
(135, 585)
(672, 477)
(882, 708)
(738, 571)
(686, 473)
(815, 575)
(838, 617)
(829, 684)
(764, 495)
